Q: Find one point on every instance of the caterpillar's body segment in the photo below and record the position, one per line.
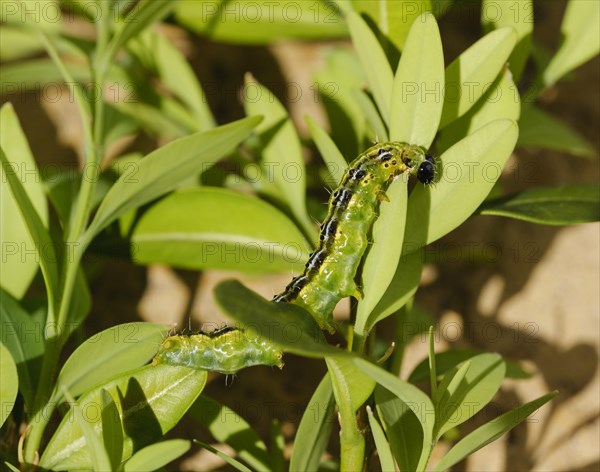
(329, 273)
(225, 350)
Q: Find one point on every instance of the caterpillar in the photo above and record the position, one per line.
(226, 350)
(330, 271)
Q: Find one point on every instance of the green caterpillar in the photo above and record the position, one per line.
(225, 350)
(329, 273)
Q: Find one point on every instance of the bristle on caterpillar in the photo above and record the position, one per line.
(353, 207)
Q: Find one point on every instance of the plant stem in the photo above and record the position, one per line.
(93, 152)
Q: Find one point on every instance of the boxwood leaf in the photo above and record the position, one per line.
(466, 389)
(416, 408)
(562, 205)
(284, 324)
(250, 22)
(469, 170)
(447, 360)
(519, 16)
(471, 73)
(10, 383)
(383, 256)
(394, 18)
(581, 42)
(150, 400)
(112, 351)
(226, 426)
(500, 101)
(22, 336)
(281, 152)
(336, 164)
(237, 465)
(157, 455)
(375, 64)
(97, 453)
(401, 288)
(112, 430)
(230, 230)
(490, 431)
(381, 443)
(15, 226)
(418, 85)
(162, 170)
(314, 429)
(159, 54)
(541, 130)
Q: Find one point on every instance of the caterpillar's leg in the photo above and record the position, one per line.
(382, 197)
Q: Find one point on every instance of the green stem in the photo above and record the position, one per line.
(93, 150)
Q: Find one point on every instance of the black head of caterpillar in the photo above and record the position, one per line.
(426, 170)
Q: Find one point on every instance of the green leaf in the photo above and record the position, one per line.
(539, 129)
(469, 170)
(351, 388)
(337, 82)
(157, 455)
(416, 409)
(394, 18)
(277, 446)
(230, 230)
(22, 336)
(12, 467)
(45, 247)
(381, 443)
(162, 170)
(281, 153)
(447, 360)
(372, 115)
(226, 426)
(17, 38)
(334, 160)
(314, 429)
(150, 400)
(249, 22)
(563, 205)
(500, 101)
(466, 389)
(112, 430)
(419, 85)
(374, 62)
(401, 288)
(107, 354)
(284, 324)
(489, 432)
(94, 447)
(581, 41)
(517, 15)
(228, 459)
(10, 383)
(383, 256)
(143, 15)
(27, 75)
(471, 73)
(18, 248)
(402, 427)
(159, 54)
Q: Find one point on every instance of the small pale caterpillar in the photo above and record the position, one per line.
(329, 273)
(225, 350)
